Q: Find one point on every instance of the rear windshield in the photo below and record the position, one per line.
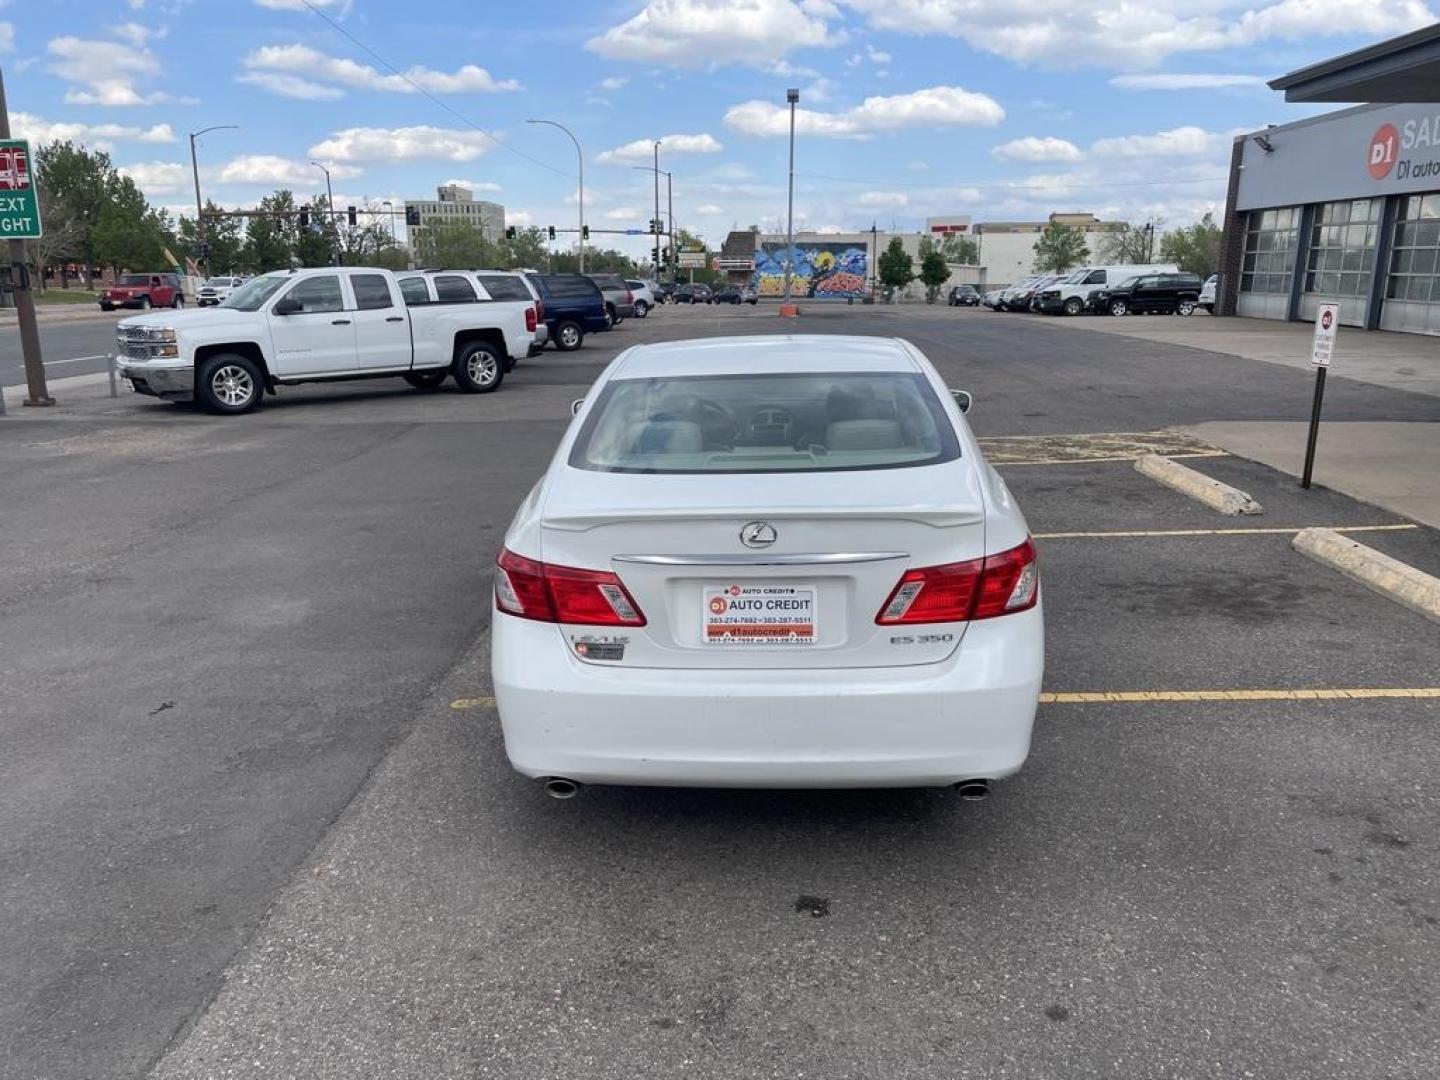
(571, 285)
(821, 422)
(504, 287)
(133, 279)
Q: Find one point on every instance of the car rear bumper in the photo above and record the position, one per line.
(926, 725)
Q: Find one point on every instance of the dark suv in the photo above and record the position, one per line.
(574, 306)
(963, 296)
(693, 294)
(1165, 294)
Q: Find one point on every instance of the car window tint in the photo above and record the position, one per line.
(414, 290)
(571, 285)
(453, 287)
(318, 294)
(372, 292)
(504, 287)
(755, 423)
(1097, 278)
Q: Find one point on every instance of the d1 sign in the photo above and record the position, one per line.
(19, 202)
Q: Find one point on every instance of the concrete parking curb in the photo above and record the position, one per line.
(1198, 486)
(1389, 577)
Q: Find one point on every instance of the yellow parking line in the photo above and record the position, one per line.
(1093, 460)
(473, 703)
(1107, 697)
(1130, 533)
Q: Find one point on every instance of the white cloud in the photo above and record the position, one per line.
(158, 177)
(1184, 82)
(916, 166)
(297, 5)
(106, 72)
(709, 209)
(99, 136)
(701, 33)
(877, 56)
(642, 151)
(314, 67)
(1187, 141)
(938, 106)
(1130, 33)
(622, 213)
(477, 185)
(401, 144)
(7, 37)
(518, 217)
(272, 169)
(613, 82)
(891, 200)
(1033, 148)
(291, 86)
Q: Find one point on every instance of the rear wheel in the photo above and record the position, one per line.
(229, 384)
(426, 380)
(569, 336)
(641, 309)
(178, 302)
(1186, 307)
(1074, 306)
(1119, 307)
(478, 369)
(609, 317)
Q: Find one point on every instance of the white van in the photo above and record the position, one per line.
(1072, 295)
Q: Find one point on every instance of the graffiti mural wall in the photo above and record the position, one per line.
(820, 270)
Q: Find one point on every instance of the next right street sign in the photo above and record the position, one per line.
(19, 202)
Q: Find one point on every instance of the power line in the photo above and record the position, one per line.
(426, 93)
(1017, 187)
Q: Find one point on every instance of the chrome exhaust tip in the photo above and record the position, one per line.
(973, 790)
(557, 787)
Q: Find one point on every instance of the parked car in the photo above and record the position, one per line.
(573, 307)
(1207, 293)
(619, 300)
(1076, 293)
(795, 544)
(643, 293)
(515, 286)
(991, 299)
(693, 294)
(735, 294)
(665, 291)
(1032, 298)
(315, 326)
(467, 286)
(1145, 294)
(143, 291)
(215, 289)
(963, 296)
(1017, 297)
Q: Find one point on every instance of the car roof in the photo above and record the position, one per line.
(766, 353)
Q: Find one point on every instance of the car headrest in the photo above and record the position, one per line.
(666, 437)
(863, 435)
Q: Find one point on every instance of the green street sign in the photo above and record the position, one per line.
(19, 202)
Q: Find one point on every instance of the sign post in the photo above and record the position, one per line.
(20, 221)
(1322, 347)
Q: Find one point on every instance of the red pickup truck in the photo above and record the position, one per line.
(143, 291)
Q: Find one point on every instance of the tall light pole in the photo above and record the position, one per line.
(329, 209)
(657, 206)
(792, 96)
(390, 217)
(199, 206)
(580, 157)
(670, 212)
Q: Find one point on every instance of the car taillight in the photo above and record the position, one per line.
(540, 310)
(963, 592)
(562, 594)
(531, 319)
(629, 297)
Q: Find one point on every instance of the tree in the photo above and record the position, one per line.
(1196, 248)
(897, 269)
(453, 246)
(526, 251)
(1059, 248)
(1129, 245)
(271, 239)
(223, 235)
(79, 183)
(960, 249)
(62, 236)
(934, 270)
(127, 233)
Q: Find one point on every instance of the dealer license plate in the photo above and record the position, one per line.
(759, 615)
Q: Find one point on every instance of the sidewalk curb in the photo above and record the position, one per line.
(1198, 486)
(1389, 577)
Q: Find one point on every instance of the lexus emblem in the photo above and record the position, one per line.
(757, 534)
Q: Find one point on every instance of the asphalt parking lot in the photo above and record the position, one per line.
(255, 818)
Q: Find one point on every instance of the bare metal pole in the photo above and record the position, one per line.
(657, 206)
(38, 394)
(195, 171)
(580, 157)
(792, 96)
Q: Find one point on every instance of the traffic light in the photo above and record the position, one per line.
(585, 232)
(654, 226)
(510, 232)
(552, 232)
(304, 219)
(350, 215)
(412, 215)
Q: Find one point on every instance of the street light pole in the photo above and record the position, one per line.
(792, 96)
(195, 171)
(657, 206)
(580, 157)
(329, 209)
(670, 211)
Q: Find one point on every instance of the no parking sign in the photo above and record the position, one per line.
(1327, 324)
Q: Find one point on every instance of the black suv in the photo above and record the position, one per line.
(693, 294)
(1165, 294)
(963, 296)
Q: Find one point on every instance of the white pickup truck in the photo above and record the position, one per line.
(319, 325)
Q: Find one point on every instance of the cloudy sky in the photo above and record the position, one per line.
(909, 108)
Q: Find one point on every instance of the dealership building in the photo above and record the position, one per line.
(1344, 207)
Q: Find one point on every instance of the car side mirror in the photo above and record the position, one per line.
(576, 405)
(962, 399)
(287, 306)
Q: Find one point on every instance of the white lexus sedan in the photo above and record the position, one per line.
(768, 562)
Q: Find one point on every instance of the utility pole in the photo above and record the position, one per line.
(580, 157)
(199, 206)
(38, 394)
(657, 206)
(792, 96)
(670, 213)
(330, 213)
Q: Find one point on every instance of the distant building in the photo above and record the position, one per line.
(454, 205)
(1007, 248)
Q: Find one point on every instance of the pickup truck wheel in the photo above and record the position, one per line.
(641, 309)
(1119, 307)
(1186, 307)
(478, 369)
(178, 302)
(229, 384)
(1074, 306)
(426, 380)
(568, 336)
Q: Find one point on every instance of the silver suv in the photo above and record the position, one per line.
(619, 300)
